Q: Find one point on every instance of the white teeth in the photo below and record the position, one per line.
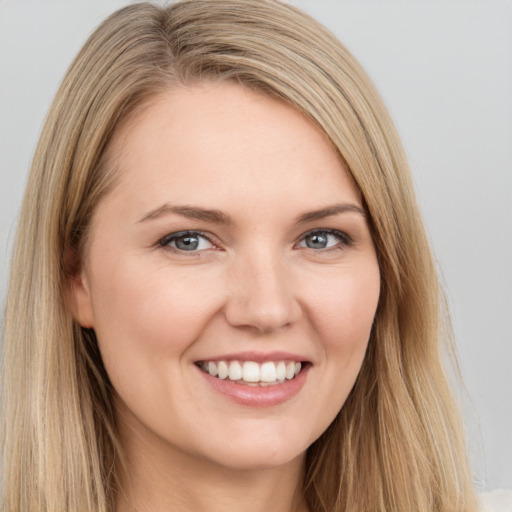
(290, 370)
(222, 369)
(235, 370)
(280, 371)
(212, 369)
(268, 372)
(250, 372)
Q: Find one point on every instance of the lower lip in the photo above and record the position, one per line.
(258, 396)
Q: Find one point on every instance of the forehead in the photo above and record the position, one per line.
(214, 140)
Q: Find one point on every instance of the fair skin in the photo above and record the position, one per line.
(233, 233)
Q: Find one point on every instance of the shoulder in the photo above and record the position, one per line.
(499, 500)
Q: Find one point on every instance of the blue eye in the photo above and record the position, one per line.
(186, 241)
(324, 239)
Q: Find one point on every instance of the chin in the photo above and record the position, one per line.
(257, 451)
(257, 459)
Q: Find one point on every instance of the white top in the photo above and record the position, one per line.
(499, 500)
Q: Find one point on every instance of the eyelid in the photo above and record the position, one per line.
(344, 238)
(165, 240)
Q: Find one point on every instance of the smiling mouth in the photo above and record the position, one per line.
(252, 373)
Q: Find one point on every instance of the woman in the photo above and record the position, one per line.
(230, 295)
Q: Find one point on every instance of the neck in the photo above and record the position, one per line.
(159, 478)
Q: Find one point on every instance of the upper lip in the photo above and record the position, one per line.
(257, 357)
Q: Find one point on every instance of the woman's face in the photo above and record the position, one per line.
(233, 247)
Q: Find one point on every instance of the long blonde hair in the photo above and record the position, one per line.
(396, 445)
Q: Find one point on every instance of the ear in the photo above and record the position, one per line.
(77, 294)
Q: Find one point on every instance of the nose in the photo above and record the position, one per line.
(262, 293)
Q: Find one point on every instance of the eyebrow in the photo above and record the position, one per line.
(329, 211)
(191, 212)
(218, 217)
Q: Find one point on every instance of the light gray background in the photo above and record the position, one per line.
(444, 68)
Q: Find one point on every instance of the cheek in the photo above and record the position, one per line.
(344, 308)
(343, 319)
(341, 307)
(143, 312)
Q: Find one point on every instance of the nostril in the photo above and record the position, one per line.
(262, 294)
(262, 318)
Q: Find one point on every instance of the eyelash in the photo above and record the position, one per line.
(168, 239)
(344, 240)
